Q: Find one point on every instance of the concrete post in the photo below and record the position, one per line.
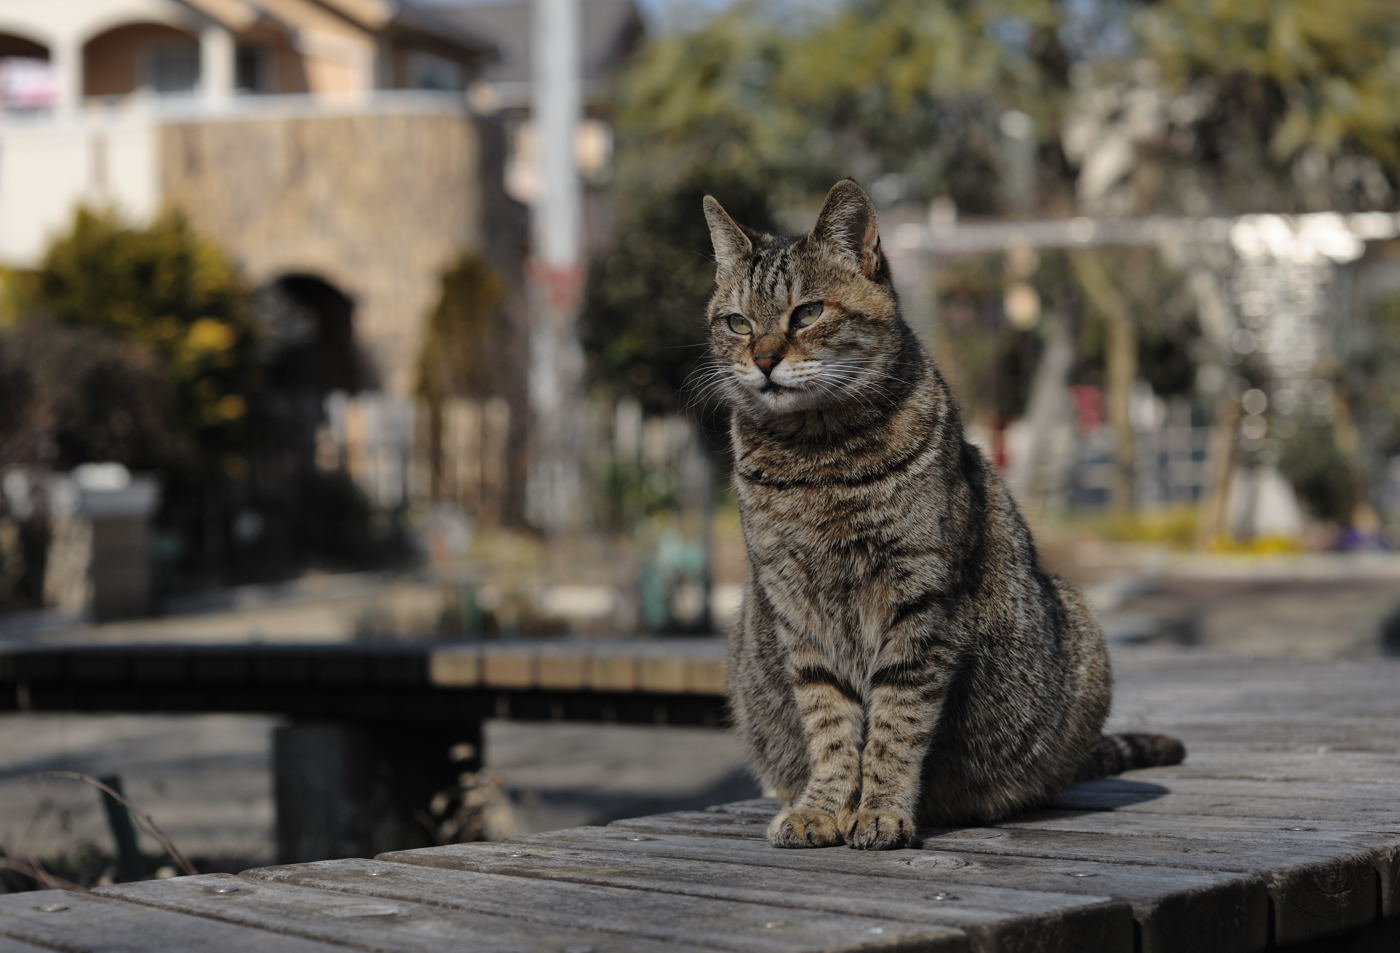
(348, 789)
(555, 272)
(217, 64)
(66, 57)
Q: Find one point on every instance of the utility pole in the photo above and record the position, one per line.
(555, 271)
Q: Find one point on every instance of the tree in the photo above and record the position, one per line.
(1248, 105)
(136, 344)
(1119, 107)
(643, 304)
(461, 354)
(471, 349)
(173, 295)
(76, 395)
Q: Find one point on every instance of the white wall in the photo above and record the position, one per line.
(53, 22)
(47, 167)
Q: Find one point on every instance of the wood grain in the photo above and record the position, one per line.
(87, 923)
(1315, 888)
(397, 925)
(1229, 911)
(994, 916)
(665, 917)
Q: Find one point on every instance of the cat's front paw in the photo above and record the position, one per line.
(804, 827)
(877, 829)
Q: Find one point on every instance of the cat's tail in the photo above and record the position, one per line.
(1115, 754)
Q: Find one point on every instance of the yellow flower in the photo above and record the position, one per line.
(232, 407)
(209, 335)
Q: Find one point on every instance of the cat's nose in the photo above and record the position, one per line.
(767, 361)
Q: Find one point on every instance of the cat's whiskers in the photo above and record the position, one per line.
(708, 384)
(844, 380)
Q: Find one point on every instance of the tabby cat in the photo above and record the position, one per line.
(901, 656)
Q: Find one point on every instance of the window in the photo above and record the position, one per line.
(253, 69)
(171, 68)
(26, 83)
(427, 71)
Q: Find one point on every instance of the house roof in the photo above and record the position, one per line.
(234, 14)
(410, 16)
(370, 15)
(611, 29)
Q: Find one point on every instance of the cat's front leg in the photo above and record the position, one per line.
(904, 701)
(833, 721)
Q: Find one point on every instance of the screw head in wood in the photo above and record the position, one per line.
(222, 889)
(370, 910)
(52, 907)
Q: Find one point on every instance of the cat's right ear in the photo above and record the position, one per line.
(732, 243)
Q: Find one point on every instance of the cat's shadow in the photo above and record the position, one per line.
(1105, 794)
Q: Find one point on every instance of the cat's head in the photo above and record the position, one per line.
(803, 323)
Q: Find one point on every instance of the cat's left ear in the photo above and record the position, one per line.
(731, 240)
(847, 223)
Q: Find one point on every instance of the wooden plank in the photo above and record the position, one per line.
(1316, 887)
(457, 666)
(1304, 764)
(665, 917)
(87, 923)
(342, 664)
(662, 673)
(366, 922)
(1382, 852)
(1175, 908)
(97, 663)
(1369, 814)
(221, 664)
(9, 945)
(614, 669)
(563, 665)
(508, 666)
(707, 675)
(994, 917)
(660, 665)
(1178, 782)
(159, 663)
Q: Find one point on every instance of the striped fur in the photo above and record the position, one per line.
(1115, 754)
(901, 655)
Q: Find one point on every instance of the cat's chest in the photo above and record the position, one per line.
(843, 562)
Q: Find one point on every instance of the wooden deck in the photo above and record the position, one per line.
(1281, 829)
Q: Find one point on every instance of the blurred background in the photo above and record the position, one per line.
(362, 320)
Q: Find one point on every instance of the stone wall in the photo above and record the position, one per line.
(374, 203)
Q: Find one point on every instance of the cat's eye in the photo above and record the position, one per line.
(739, 324)
(805, 314)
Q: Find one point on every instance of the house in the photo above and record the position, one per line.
(343, 152)
(327, 145)
(118, 49)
